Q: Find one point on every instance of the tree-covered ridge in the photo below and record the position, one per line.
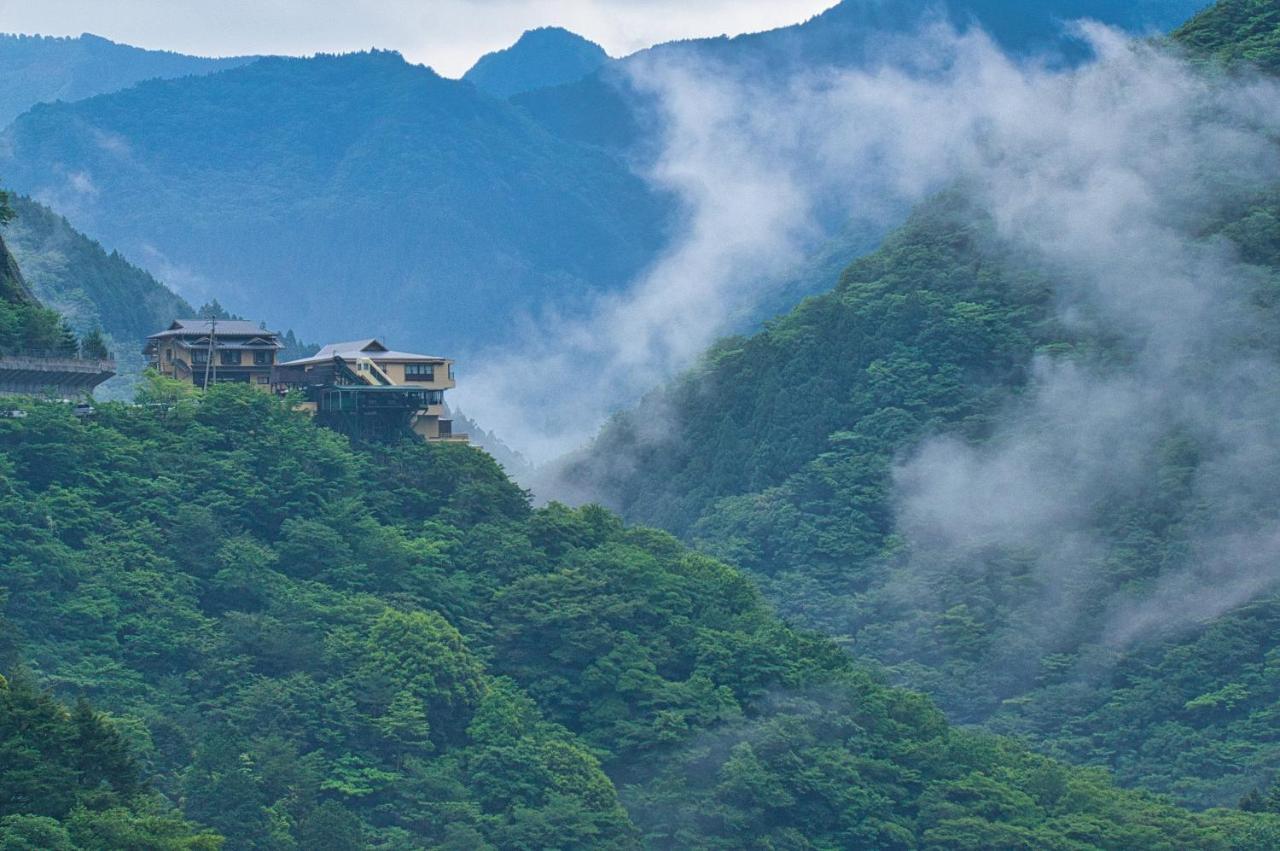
(68, 782)
(91, 287)
(787, 471)
(850, 355)
(322, 177)
(95, 292)
(788, 445)
(549, 56)
(389, 648)
(101, 292)
(1236, 33)
(26, 326)
(40, 69)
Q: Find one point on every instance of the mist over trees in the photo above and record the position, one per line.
(1025, 464)
(306, 644)
(976, 550)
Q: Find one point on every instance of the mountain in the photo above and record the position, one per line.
(549, 56)
(345, 193)
(40, 69)
(77, 277)
(433, 213)
(884, 478)
(26, 326)
(91, 289)
(310, 644)
(608, 109)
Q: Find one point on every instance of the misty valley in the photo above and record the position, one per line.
(862, 433)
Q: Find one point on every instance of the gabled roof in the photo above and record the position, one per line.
(224, 328)
(356, 349)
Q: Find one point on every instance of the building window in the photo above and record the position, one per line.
(419, 372)
(168, 355)
(451, 378)
(230, 358)
(199, 355)
(262, 358)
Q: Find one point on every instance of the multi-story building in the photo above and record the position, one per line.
(207, 351)
(368, 391)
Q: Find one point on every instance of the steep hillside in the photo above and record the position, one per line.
(77, 277)
(91, 289)
(314, 646)
(40, 69)
(351, 192)
(1235, 33)
(544, 57)
(847, 477)
(467, 214)
(26, 326)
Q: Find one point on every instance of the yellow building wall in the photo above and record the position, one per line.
(395, 370)
(169, 353)
(426, 426)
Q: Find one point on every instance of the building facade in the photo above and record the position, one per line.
(209, 351)
(368, 391)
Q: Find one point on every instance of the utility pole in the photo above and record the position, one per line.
(208, 363)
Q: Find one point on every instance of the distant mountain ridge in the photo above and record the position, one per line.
(604, 108)
(344, 192)
(549, 56)
(365, 191)
(42, 69)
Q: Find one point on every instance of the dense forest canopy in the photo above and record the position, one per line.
(224, 626)
(933, 353)
(68, 781)
(387, 647)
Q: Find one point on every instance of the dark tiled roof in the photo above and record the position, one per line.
(225, 328)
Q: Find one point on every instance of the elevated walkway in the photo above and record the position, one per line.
(58, 378)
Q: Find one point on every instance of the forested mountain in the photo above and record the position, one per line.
(467, 214)
(922, 359)
(550, 56)
(26, 326)
(307, 644)
(41, 69)
(607, 108)
(91, 289)
(342, 192)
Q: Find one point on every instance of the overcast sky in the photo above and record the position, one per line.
(449, 35)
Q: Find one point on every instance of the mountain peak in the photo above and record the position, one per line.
(548, 56)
